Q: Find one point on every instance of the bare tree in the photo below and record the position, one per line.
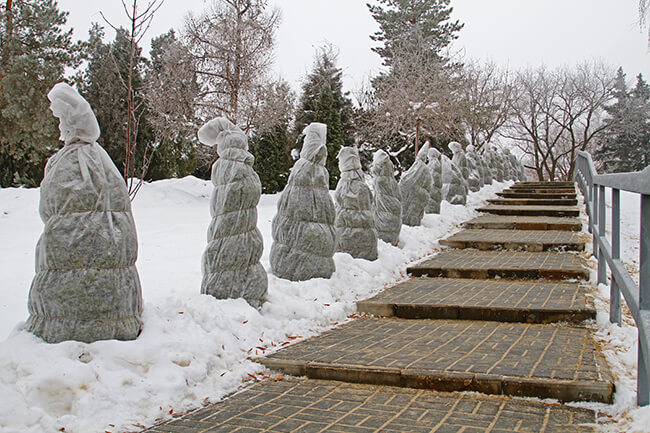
(415, 99)
(485, 95)
(140, 22)
(232, 44)
(556, 113)
(644, 14)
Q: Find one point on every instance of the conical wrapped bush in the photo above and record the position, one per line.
(355, 225)
(231, 261)
(86, 286)
(304, 237)
(388, 200)
(475, 180)
(454, 190)
(415, 188)
(433, 206)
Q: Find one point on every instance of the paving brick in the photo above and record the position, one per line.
(534, 201)
(523, 240)
(455, 355)
(468, 299)
(517, 222)
(501, 264)
(545, 195)
(558, 211)
(384, 409)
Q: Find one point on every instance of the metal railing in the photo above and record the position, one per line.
(593, 187)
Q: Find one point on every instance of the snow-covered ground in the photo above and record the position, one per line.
(194, 348)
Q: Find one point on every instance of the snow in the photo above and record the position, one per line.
(194, 348)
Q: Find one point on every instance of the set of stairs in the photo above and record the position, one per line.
(500, 311)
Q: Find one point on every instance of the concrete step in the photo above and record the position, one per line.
(534, 201)
(542, 190)
(501, 264)
(515, 222)
(546, 195)
(516, 240)
(308, 405)
(543, 185)
(496, 300)
(557, 211)
(544, 361)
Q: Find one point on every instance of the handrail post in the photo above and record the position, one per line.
(643, 385)
(602, 263)
(594, 217)
(614, 290)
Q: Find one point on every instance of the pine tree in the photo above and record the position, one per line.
(323, 100)
(625, 145)
(34, 52)
(421, 25)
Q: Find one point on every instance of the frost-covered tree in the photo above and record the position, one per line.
(271, 140)
(388, 200)
(171, 98)
(231, 261)
(415, 188)
(355, 225)
(625, 145)
(35, 50)
(322, 100)
(433, 205)
(304, 236)
(86, 286)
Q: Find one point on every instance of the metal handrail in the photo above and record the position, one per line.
(608, 254)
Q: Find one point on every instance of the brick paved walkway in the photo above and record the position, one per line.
(558, 211)
(498, 322)
(497, 300)
(455, 355)
(546, 195)
(501, 264)
(518, 222)
(526, 240)
(534, 201)
(302, 405)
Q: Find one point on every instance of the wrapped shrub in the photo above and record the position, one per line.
(415, 189)
(433, 206)
(231, 261)
(388, 200)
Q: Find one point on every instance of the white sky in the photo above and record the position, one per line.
(513, 32)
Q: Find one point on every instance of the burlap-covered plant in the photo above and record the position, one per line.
(433, 206)
(304, 237)
(454, 190)
(415, 188)
(388, 200)
(355, 225)
(231, 261)
(86, 286)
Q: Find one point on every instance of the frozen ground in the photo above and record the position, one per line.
(194, 348)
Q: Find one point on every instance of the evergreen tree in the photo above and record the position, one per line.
(34, 52)
(270, 147)
(625, 145)
(172, 94)
(323, 100)
(413, 25)
(103, 86)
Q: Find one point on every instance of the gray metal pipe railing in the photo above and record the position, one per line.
(637, 298)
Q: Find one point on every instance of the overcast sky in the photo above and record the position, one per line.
(513, 32)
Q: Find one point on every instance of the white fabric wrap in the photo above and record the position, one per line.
(415, 187)
(454, 190)
(355, 225)
(304, 236)
(433, 206)
(388, 200)
(231, 261)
